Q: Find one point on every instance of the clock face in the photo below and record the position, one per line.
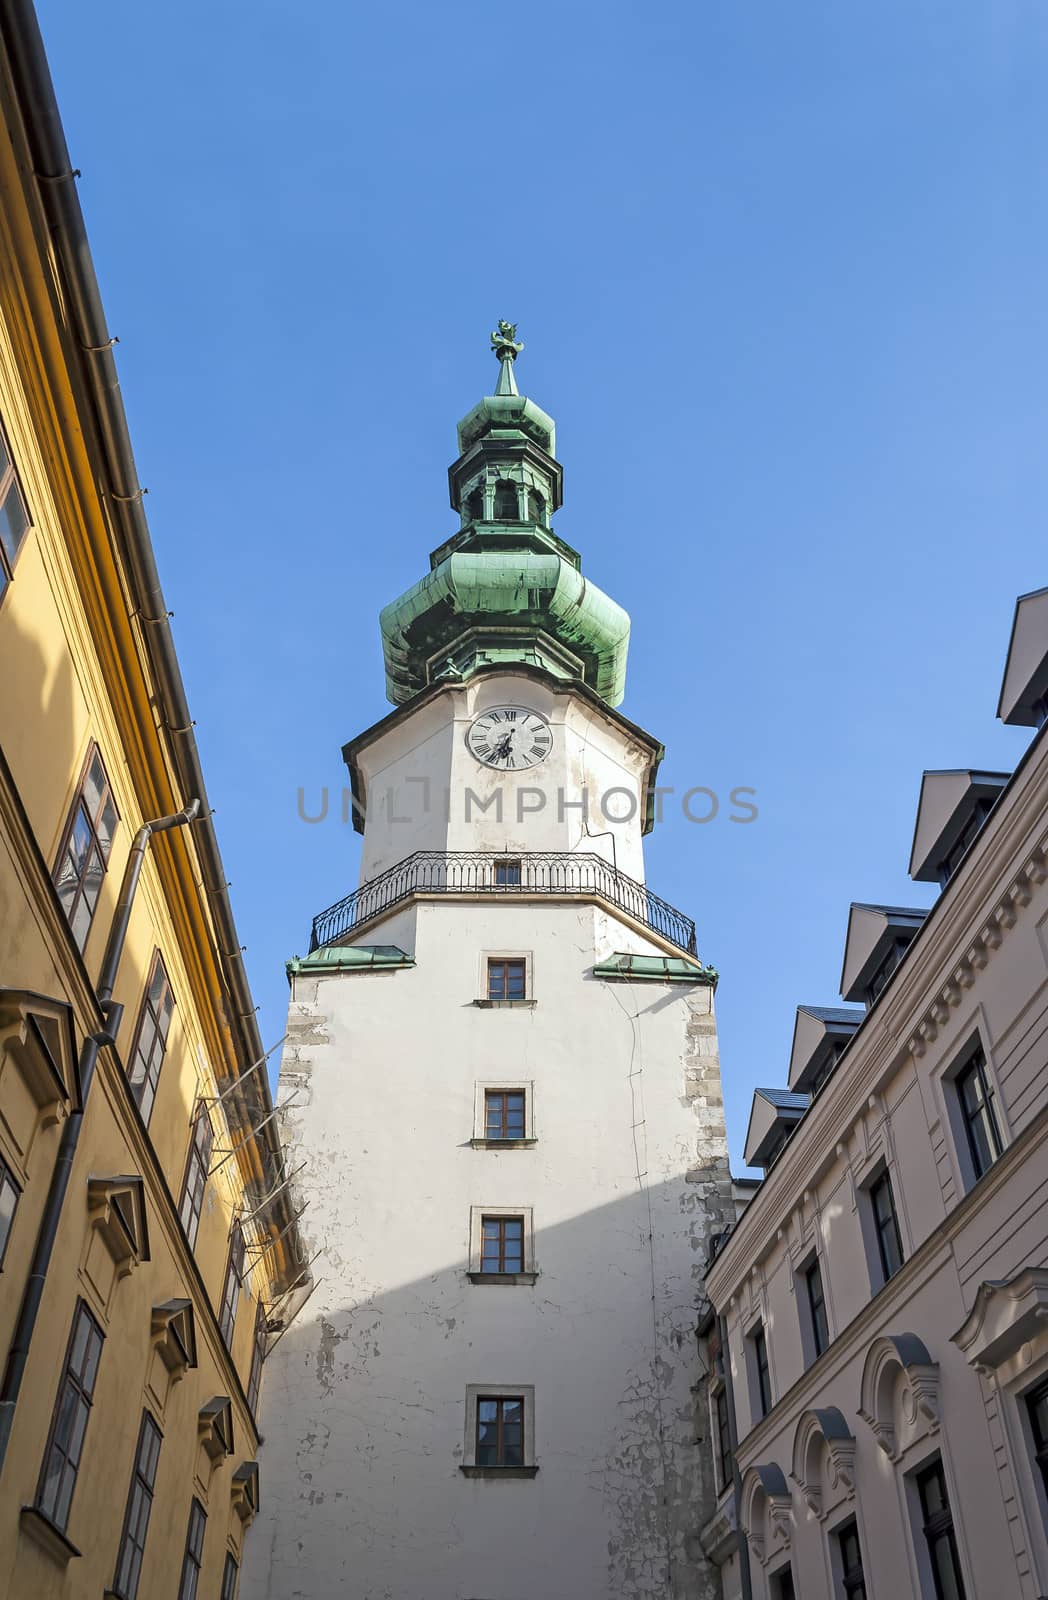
(510, 738)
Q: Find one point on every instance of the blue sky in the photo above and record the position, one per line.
(780, 271)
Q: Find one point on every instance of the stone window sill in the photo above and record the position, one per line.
(510, 1278)
(503, 1005)
(498, 1472)
(503, 1144)
(48, 1535)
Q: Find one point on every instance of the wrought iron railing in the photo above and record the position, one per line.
(469, 872)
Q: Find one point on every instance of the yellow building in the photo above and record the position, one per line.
(148, 1242)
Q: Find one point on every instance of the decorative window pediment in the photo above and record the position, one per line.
(823, 1459)
(117, 1211)
(766, 1510)
(215, 1427)
(173, 1331)
(38, 1035)
(1008, 1313)
(245, 1490)
(900, 1391)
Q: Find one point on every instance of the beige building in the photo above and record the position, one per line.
(148, 1242)
(878, 1339)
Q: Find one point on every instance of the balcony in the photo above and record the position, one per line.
(462, 872)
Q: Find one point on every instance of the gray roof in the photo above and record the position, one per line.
(784, 1099)
(844, 1014)
(893, 911)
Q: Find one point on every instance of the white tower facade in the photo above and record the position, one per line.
(503, 1062)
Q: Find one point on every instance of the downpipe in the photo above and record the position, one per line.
(112, 1013)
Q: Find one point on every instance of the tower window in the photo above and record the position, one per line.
(502, 1244)
(507, 979)
(536, 507)
(507, 874)
(500, 1431)
(507, 506)
(475, 506)
(504, 1114)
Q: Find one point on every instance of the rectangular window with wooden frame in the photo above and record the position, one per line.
(198, 1162)
(139, 1508)
(14, 517)
(507, 873)
(500, 1431)
(150, 1041)
(86, 847)
(72, 1412)
(193, 1559)
(502, 1244)
(504, 1114)
(227, 1316)
(507, 978)
(9, 1196)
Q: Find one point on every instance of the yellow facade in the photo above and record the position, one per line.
(83, 673)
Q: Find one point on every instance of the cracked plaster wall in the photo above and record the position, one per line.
(363, 1399)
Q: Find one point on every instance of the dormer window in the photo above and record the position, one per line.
(507, 507)
(879, 980)
(536, 507)
(952, 859)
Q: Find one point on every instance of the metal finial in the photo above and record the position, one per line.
(504, 342)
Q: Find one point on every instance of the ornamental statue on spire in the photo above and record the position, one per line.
(505, 587)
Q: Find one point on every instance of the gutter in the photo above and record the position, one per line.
(91, 352)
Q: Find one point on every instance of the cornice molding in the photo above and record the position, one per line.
(961, 935)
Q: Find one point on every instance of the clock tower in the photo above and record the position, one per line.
(503, 1091)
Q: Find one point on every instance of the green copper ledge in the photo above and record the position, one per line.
(350, 958)
(624, 968)
(512, 595)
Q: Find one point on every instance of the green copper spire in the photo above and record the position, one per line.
(505, 588)
(503, 342)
